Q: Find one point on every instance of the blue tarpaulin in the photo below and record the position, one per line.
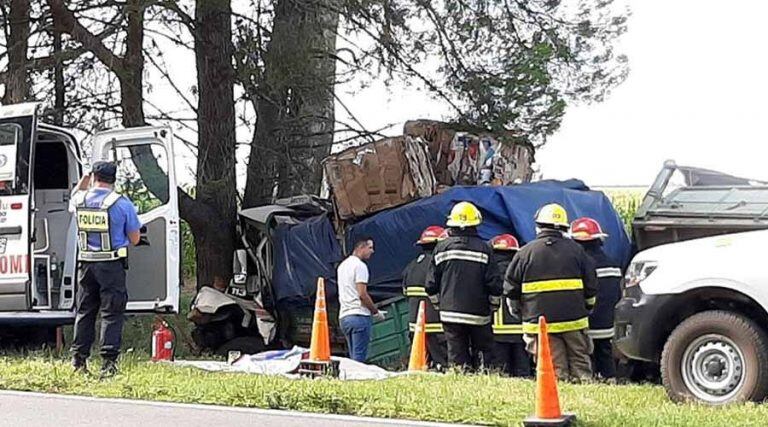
(302, 253)
(505, 210)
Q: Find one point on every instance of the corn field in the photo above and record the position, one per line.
(626, 202)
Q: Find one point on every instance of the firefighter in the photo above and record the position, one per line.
(589, 234)
(509, 355)
(553, 277)
(414, 277)
(106, 223)
(463, 281)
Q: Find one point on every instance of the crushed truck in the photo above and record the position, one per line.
(695, 297)
(288, 245)
(39, 166)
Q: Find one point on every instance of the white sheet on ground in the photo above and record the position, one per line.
(286, 363)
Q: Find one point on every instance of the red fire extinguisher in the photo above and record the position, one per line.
(162, 341)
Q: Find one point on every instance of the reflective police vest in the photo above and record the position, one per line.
(414, 276)
(96, 220)
(506, 327)
(553, 277)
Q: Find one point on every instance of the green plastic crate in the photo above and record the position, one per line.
(390, 344)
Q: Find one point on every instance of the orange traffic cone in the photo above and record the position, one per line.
(418, 360)
(547, 401)
(320, 347)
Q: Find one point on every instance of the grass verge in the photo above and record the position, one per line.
(480, 399)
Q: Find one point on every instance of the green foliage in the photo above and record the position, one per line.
(188, 252)
(501, 64)
(626, 207)
(626, 203)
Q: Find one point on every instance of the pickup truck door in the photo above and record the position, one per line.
(146, 175)
(18, 127)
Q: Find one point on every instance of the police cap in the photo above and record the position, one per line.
(105, 171)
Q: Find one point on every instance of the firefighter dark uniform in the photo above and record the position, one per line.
(553, 277)
(414, 278)
(464, 281)
(589, 234)
(104, 219)
(509, 355)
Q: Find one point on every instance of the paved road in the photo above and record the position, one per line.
(36, 409)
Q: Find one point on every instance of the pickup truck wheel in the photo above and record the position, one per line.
(716, 357)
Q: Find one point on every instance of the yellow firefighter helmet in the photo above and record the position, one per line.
(553, 215)
(464, 214)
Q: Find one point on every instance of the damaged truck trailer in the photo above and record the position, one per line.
(288, 245)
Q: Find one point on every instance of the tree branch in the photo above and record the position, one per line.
(92, 42)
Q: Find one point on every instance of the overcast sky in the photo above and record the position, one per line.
(695, 93)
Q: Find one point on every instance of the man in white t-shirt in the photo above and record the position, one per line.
(356, 306)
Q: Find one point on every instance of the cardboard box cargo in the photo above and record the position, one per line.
(379, 175)
(475, 157)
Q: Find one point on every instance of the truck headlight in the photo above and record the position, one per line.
(639, 271)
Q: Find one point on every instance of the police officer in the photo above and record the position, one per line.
(414, 278)
(464, 282)
(589, 234)
(553, 277)
(509, 355)
(106, 223)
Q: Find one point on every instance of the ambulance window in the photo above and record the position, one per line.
(51, 164)
(142, 175)
(10, 133)
(15, 135)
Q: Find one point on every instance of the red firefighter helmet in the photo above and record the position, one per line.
(585, 229)
(505, 242)
(431, 234)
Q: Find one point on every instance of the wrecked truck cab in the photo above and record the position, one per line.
(244, 316)
(39, 166)
(694, 297)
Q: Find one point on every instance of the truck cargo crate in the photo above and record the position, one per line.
(379, 175)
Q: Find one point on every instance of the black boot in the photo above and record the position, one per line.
(80, 364)
(108, 369)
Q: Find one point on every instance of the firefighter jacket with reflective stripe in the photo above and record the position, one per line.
(553, 277)
(96, 220)
(609, 292)
(464, 279)
(506, 327)
(414, 277)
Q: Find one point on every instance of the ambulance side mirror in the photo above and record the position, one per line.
(240, 267)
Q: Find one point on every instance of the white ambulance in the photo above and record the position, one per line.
(39, 166)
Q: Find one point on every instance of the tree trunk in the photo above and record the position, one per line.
(211, 215)
(16, 87)
(58, 77)
(314, 121)
(216, 138)
(132, 71)
(294, 103)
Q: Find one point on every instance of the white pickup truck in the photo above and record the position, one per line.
(695, 297)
